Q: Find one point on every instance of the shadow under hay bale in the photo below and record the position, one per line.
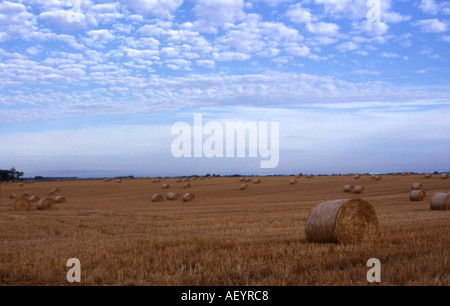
(22, 204)
(342, 221)
(440, 201)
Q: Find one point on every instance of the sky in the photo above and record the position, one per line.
(93, 88)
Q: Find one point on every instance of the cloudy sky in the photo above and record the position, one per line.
(92, 88)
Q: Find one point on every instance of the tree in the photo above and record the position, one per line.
(10, 175)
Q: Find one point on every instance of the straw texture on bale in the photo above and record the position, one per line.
(444, 176)
(293, 182)
(60, 199)
(440, 201)
(416, 186)
(34, 199)
(172, 196)
(157, 198)
(358, 189)
(244, 187)
(188, 197)
(22, 204)
(348, 188)
(342, 221)
(417, 195)
(44, 204)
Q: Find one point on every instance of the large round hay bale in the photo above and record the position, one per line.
(34, 198)
(247, 180)
(444, 176)
(241, 179)
(187, 185)
(378, 177)
(440, 201)
(188, 197)
(44, 204)
(157, 198)
(22, 204)
(257, 181)
(428, 175)
(292, 182)
(359, 189)
(244, 187)
(342, 221)
(12, 196)
(172, 196)
(417, 195)
(165, 186)
(60, 199)
(416, 186)
(348, 188)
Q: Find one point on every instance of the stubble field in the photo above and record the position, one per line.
(226, 237)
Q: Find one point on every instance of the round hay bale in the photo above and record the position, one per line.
(178, 180)
(172, 196)
(348, 188)
(417, 195)
(26, 194)
(187, 185)
(12, 196)
(20, 184)
(188, 197)
(357, 176)
(428, 175)
(244, 187)
(416, 186)
(22, 204)
(440, 201)
(444, 176)
(119, 181)
(247, 180)
(165, 186)
(157, 198)
(342, 221)
(34, 198)
(394, 174)
(241, 179)
(293, 182)
(60, 199)
(187, 179)
(44, 204)
(358, 189)
(257, 181)
(309, 176)
(378, 177)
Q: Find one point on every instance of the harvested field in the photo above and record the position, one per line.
(224, 237)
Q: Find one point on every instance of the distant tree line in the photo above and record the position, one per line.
(10, 175)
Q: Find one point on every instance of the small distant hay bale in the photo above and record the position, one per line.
(444, 176)
(428, 175)
(12, 196)
(157, 198)
(119, 181)
(178, 180)
(440, 201)
(394, 174)
(349, 188)
(257, 181)
(342, 221)
(34, 198)
(187, 179)
(416, 186)
(45, 204)
(244, 187)
(359, 189)
(357, 176)
(404, 174)
(292, 182)
(26, 194)
(377, 177)
(247, 180)
(20, 184)
(241, 179)
(22, 204)
(172, 196)
(165, 186)
(188, 197)
(187, 185)
(60, 199)
(309, 176)
(417, 195)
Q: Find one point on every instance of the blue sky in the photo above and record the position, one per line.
(93, 87)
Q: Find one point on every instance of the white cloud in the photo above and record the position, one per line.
(15, 21)
(390, 55)
(432, 26)
(206, 63)
(429, 7)
(371, 28)
(217, 13)
(157, 8)
(101, 35)
(323, 28)
(67, 20)
(347, 46)
(298, 14)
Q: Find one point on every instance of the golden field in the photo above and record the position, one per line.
(226, 237)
